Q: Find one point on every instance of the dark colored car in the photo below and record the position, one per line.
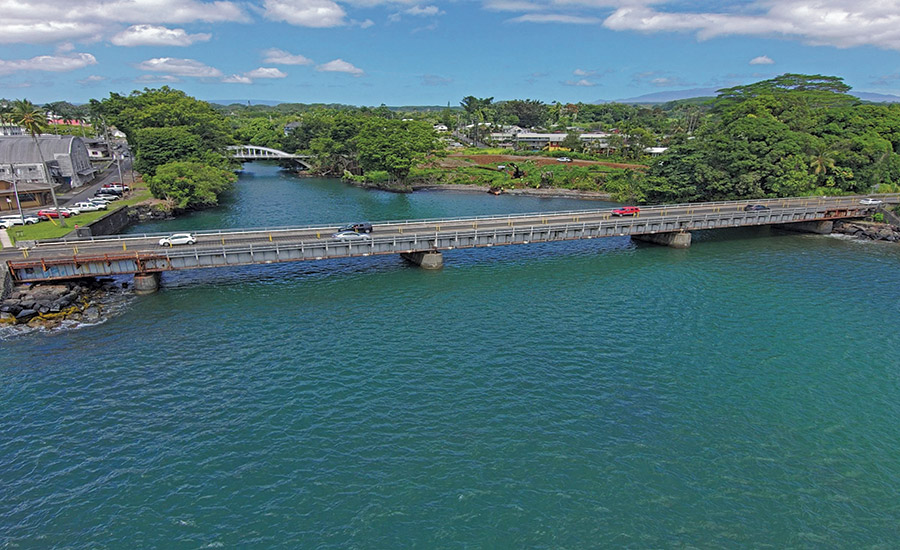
(357, 227)
(752, 207)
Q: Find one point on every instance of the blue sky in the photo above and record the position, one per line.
(369, 52)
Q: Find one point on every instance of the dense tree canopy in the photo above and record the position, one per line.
(190, 184)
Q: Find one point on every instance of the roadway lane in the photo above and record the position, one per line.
(242, 238)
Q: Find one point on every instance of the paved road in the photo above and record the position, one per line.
(242, 238)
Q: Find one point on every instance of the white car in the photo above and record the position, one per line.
(6, 224)
(73, 210)
(350, 236)
(89, 206)
(176, 239)
(563, 159)
(17, 220)
(870, 202)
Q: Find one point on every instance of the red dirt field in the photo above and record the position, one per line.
(452, 161)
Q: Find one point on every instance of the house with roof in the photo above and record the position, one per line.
(67, 160)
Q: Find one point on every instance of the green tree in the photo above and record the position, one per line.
(189, 185)
(395, 146)
(159, 146)
(572, 141)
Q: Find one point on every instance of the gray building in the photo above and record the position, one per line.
(66, 157)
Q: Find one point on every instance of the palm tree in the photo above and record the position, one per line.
(821, 162)
(34, 121)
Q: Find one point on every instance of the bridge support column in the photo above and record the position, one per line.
(431, 259)
(681, 239)
(819, 227)
(146, 283)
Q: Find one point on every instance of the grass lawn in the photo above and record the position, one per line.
(52, 230)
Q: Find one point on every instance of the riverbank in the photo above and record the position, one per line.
(475, 189)
(50, 306)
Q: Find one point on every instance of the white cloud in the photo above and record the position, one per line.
(152, 35)
(363, 24)
(583, 82)
(157, 78)
(512, 5)
(41, 21)
(555, 18)
(305, 13)
(65, 47)
(762, 60)
(424, 11)
(265, 72)
(839, 23)
(237, 79)
(340, 66)
(281, 57)
(179, 67)
(49, 63)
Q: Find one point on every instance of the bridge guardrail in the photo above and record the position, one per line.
(835, 201)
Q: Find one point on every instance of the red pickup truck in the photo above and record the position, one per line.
(626, 211)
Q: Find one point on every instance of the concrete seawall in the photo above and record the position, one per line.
(6, 283)
(110, 224)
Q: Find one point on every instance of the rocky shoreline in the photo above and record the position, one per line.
(869, 231)
(50, 306)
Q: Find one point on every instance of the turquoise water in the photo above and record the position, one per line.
(742, 393)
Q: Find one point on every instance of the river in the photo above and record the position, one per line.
(740, 393)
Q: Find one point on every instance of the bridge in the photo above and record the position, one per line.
(256, 152)
(420, 241)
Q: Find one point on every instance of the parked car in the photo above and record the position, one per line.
(86, 206)
(108, 191)
(176, 239)
(563, 159)
(752, 207)
(6, 224)
(350, 235)
(357, 228)
(18, 220)
(116, 187)
(870, 202)
(52, 213)
(626, 211)
(107, 196)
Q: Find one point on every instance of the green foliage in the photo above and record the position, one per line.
(146, 117)
(787, 136)
(190, 185)
(394, 146)
(159, 146)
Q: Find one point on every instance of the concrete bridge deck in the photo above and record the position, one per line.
(141, 254)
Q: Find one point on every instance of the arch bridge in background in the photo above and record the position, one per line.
(256, 152)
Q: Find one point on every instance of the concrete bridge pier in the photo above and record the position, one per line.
(680, 239)
(146, 283)
(819, 227)
(431, 259)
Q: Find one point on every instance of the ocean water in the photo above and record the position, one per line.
(742, 393)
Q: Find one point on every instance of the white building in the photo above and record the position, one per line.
(11, 130)
(536, 141)
(66, 157)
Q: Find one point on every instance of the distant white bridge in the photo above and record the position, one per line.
(256, 152)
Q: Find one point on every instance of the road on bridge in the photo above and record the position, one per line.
(226, 239)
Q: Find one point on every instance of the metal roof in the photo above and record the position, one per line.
(21, 149)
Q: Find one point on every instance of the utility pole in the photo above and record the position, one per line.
(12, 170)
